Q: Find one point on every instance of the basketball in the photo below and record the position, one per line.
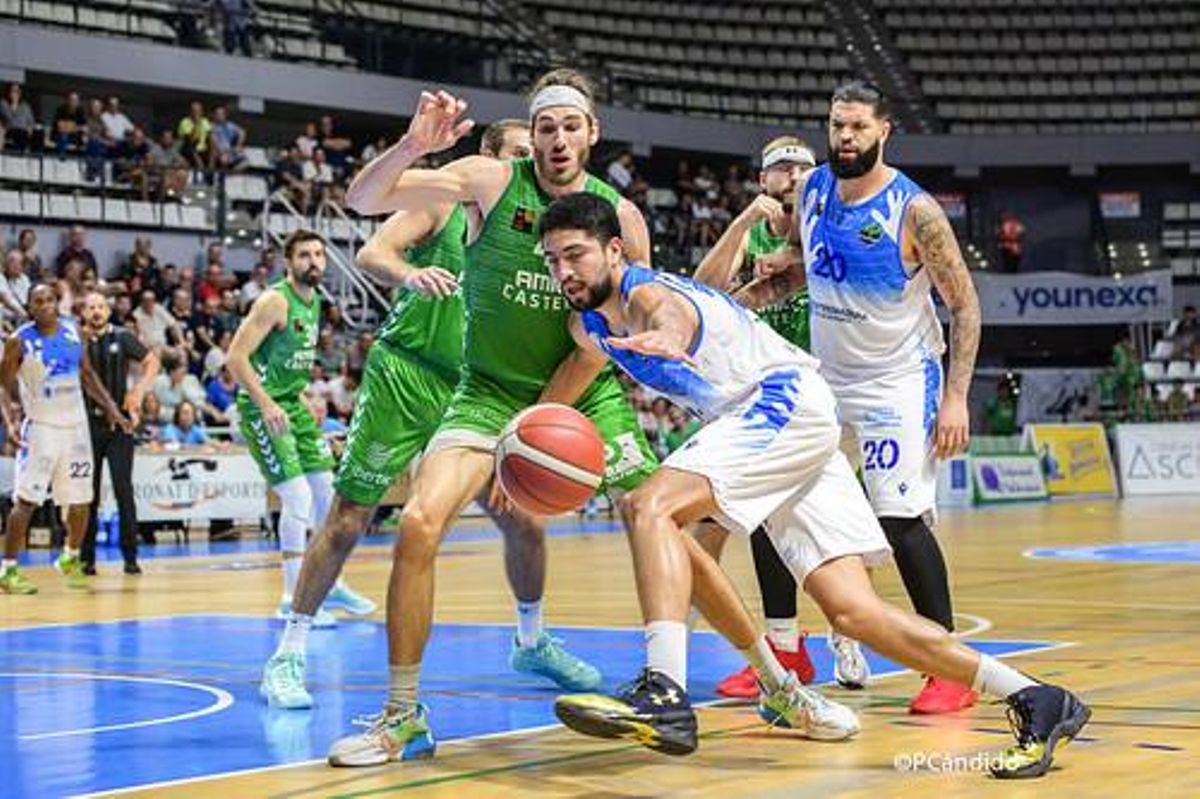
(550, 459)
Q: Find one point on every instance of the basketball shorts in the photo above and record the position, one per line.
(398, 409)
(54, 462)
(887, 432)
(301, 450)
(480, 409)
(774, 459)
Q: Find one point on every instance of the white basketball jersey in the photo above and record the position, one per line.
(735, 353)
(868, 314)
(51, 392)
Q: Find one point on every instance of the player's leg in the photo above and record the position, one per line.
(12, 581)
(534, 651)
(72, 489)
(899, 471)
(446, 481)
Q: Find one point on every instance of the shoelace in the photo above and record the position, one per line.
(1020, 720)
(376, 722)
(635, 685)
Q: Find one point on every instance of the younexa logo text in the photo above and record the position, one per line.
(1085, 297)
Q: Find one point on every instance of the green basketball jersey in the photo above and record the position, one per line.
(428, 328)
(516, 331)
(284, 359)
(790, 317)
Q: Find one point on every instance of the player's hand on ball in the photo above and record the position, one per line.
(275, 418)
(498, 501)
(653, 342)
(432, 281)
(437, 124)
(953, 424)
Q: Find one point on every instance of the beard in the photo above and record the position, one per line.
(548, 171)
(310, 277)
(861, 165)
(595, 296)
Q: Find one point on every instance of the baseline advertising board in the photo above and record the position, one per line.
(185, 486)
(1158, 459)
(1008, 478)
(1074, 457)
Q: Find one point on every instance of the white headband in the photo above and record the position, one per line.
(559, 95)
(792, 152)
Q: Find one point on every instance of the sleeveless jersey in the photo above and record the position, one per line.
(49, 375)
(790, 317)
(284, 359)
(735, 352)
(868, 314)
(428, 328)
(516, 331)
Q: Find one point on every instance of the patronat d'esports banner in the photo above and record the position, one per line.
(1063, 298)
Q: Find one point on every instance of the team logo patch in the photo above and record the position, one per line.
(870, 234)
(524, 219)
(298, 325)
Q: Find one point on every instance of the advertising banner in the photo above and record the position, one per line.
(1063, 298)
(1159, 459)
(1007, 478)
(1074, 457)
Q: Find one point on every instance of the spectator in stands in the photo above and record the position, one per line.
(96, 145)
(215, 358)
(187, 282)
(337, 146)
(168, 164)
(620, 172)
(72, 284)
(682, 427)
(683, 179)
(1010, 234)
(236, 18)
(183, 308)
(27, 244)
(17, 125)
(70, 124)
(356, 358)
(706, 183)
(134, 162)
(221, 389)
(320, 385)
(148, 429)
(141, 268)
(308, 141)
(329, 355)
(1001, 410)
(704, 228)
(156, 327)
(213, 282)
(343, 390)
(76, 249)
(329, 426)
(319, 174)
(228, 316)
(195, 131)
(14, 289)
(1185, 334)
(205, 328)
(123, 310)
(1127, 369)
(176, 385)
(168, 281)
(254, 287)
(289, 174)
(228, 141)
(185, 429)
(373, 150)
(116, 124)
(268, 258)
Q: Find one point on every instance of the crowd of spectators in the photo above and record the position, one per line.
(187, 314)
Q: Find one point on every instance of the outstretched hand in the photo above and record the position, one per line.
(655, 343)
(438, 124)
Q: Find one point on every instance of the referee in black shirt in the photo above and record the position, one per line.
(110, 349)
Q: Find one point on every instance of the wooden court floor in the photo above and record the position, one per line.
(1130, 629)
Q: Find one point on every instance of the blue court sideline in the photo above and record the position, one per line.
(91, 707)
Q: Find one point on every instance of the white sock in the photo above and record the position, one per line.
(291, 572)
(7, 563)
(784, 634)
(402, 686)
(770, 671)
(295, 635)
(694, 617)
(529, 623)
(666, 650)
(69, 552)
(993, 678)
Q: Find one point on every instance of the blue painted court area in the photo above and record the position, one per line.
(94, 707)
(1163, 552)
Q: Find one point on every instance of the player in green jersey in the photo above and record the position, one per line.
(408, 379)
(271, 356)
(761, 229)
(518, 351)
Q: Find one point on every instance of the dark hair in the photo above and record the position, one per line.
(862, 91)
(584, 211)
(493, 135)
(297, 238)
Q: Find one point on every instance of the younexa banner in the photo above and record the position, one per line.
(1063, 298)
(1159, 459)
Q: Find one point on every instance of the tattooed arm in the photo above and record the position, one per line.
(931, 240)
(775, 286)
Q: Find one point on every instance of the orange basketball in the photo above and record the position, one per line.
(550, 459)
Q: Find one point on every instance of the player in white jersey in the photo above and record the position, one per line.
(45, 364)
(874, 245)
(769, 453)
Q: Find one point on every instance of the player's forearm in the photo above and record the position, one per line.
(247, 378)
(384, 265)
(721, 263)
(373, 188)
(572, 377)
(965, 328)
(768, 290)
